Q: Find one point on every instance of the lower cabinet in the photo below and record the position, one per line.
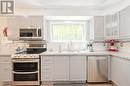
(47, 68)
(63, 68)
(5, 69)
(120, 71)
(78, 68)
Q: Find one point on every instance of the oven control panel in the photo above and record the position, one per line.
(25, 56)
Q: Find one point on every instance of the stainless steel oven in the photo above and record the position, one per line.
(26, 71)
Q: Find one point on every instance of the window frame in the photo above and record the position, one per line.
(50, 32)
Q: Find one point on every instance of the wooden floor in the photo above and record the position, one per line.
(72, 85)
(67, 85)
(80, 85)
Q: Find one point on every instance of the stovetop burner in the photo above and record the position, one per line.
(33, 51)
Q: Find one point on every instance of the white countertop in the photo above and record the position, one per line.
(123, 55)
(74, 53)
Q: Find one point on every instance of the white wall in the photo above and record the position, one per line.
(6, 47)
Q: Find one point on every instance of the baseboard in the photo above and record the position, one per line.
(63, 82)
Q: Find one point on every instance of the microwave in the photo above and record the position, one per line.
(30, 33)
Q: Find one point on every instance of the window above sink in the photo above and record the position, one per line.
(64, 29)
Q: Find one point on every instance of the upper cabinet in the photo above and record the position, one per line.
(125, 23)
(17, 22)
(111, 26)
(13, 28)
(96, 28)
(30, 21)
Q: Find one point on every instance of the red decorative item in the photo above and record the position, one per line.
(112, 45)
(5, 31)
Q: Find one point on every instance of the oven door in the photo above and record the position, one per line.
(26, 78)
(32, 76)
(25, 65)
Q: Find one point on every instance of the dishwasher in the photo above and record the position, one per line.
(97, 69)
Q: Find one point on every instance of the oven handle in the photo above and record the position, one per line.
(25, 72)
(36, 60)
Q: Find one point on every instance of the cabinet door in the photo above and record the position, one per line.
(111, 26)
(125, 23)
(47, 68)
(5, 72)
(23, 21)
(61, 68)
(13, 28)
(96, 28)
(36, 21)
(78, 68)
(120, 71)
(99, 28)
(107, 26)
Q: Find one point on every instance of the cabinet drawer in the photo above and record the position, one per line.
(5, 59)
(47, 76)
(47, 70)
(5, 72)
(47, 60)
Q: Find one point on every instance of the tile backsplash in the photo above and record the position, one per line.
(125, 47)
(74, 47)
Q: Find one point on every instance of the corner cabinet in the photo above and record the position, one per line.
(63, 68)
(125, 23)
(96, 28)
(111, 26)
(5, 69)
(120, 71)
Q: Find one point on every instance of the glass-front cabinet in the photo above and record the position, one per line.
(111, 26)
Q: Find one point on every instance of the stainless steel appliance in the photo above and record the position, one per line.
(26, 69)
(32, 33)
(97, 69)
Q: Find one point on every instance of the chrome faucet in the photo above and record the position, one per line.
(59, 48)
(69, 45)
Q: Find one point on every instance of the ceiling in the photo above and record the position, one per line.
(41, 4)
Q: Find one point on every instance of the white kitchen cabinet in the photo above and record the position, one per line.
(36, 21)
(61, 68)
(78, 68)
(17, 22)
(125, 23)
(13, 28)
(96, 28)
(111, 26)
(30, 21)
(47, 68)
(5, 69)
(120, 72)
